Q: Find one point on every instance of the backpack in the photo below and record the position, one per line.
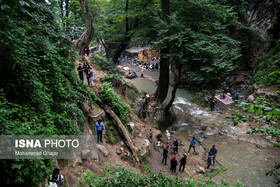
(118, 151)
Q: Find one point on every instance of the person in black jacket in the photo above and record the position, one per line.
(175, 146)
(165, 155)
(183, 162)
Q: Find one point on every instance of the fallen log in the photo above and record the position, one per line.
(123, 129)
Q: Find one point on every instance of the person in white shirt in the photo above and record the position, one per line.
(56, 178)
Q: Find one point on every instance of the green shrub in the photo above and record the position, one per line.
(118, 176)
(40, 93)
(114, 79)
(113, 100)
(268, 73)
(132, 92)
(111, 133)
(104, 63)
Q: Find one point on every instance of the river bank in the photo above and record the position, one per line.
(248, 157)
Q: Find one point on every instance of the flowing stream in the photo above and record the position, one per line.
(247, 162)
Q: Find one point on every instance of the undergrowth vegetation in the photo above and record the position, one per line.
(40, 93)
(118, 176)
(114, 101)
(268, 73)
(112, 134)
(104, 64)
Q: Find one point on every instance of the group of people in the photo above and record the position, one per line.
(147, 65)
(87, 69)
(124, 59)
(234, 95)
(135, 61)
(183, 160)
(173, 161)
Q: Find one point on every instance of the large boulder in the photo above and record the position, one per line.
(251, 98)
(137, 106)
(240, 79)
(268, 94)
(75, 162)
(160, 116)
(131, 126)
(230, 80)
(103, 150)
(55, 164)
(145, 148)
(89, 154)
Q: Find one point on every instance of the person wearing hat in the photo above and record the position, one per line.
(183, 162)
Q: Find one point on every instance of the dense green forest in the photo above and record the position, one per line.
(40, 93)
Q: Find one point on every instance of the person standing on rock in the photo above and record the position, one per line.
(183, 162)
(192, 144)
(165, 155)
(99, 127)
(174, 164)
(213, 152)
(175, 146)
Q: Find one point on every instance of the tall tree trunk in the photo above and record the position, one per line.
(163, 85)
(107, 50)
(123, 129)
(87, 35)
(176, 86)
(121, 48)
(125, 41)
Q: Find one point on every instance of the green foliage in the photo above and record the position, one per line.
(263, 112)
(110, 97)
(132, 91)
(268, 73)
(199, 44)
(114, 79)
(110, 20)
(199, 97)
(120, 176)
(239, 6)
(39, 91)
(274, 132)
(111, 133)
(22, 171)
(104, 64)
